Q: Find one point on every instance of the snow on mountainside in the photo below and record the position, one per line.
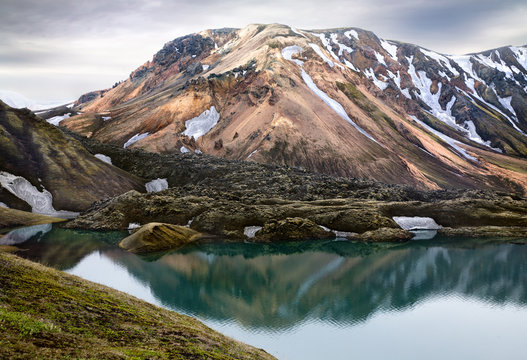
(18, 101)
(317, 98)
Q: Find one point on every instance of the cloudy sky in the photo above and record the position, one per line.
(59, 49)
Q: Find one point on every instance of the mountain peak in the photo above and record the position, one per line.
(340, 101)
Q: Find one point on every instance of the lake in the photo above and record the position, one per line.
(427, 299)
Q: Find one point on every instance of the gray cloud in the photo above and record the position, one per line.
(83, 45)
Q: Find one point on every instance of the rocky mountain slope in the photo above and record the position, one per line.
(47, 172)
(336, 101)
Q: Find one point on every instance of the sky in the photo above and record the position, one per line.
(60, 49)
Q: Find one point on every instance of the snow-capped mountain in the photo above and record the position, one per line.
(340, 101)
(18, 101)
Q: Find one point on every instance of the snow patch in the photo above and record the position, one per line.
(380, 58)
(132, 226)
(423, 83)
(251, 154)
(351, 33)
(202, 124)
(390, 49)
(250, 231)
(198, 151)
(156, 185)
(397, 80)
(441, 59)
(287, 53)
(350, 65)
(335, 105)
(205, 67)
(184, 150)
(465, 63)
(135, 139)
(104, 158)
(106, 118)
(506, 103)
(321, 54)
(371, 75)
(328, 46)
(3, 205)
(41, 202)
(342, 47)
(416, 223)
(453, 143)
(296, 31)
(520, 53)
(55, 120)
(338, 234)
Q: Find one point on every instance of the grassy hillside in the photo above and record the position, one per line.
(45, 314)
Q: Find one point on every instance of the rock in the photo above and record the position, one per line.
(154, 237)
(384, 235)
(292, 229)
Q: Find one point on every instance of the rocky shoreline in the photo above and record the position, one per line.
(224, 198)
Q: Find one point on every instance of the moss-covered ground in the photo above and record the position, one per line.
(48, 314)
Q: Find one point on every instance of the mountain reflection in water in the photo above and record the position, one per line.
(274, 287)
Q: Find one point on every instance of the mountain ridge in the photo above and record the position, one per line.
(467, 117)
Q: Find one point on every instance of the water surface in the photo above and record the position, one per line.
(433, 299)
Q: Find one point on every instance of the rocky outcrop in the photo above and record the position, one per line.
(155, 237)
(291, 229)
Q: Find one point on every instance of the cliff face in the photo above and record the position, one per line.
(341, 102)
(44, 170)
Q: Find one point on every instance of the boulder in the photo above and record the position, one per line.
(384, 235)
(154, 237)
(292, 229)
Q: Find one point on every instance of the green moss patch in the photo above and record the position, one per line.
(45, 314)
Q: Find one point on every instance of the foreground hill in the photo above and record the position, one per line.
(44, 171)
(47, 314)
(341, 102)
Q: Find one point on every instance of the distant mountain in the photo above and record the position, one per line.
(18, 101)
(340, 101)
(45, 171)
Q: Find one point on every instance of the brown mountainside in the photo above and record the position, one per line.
(341, 102)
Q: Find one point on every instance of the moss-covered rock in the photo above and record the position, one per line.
(292, 229)
(384, 235)
(154, 237)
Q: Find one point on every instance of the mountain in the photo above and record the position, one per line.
(341, 102)
(19, 101)
(47, 172)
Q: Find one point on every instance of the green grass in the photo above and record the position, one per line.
(47, 314)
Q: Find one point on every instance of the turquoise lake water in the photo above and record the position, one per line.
(427, 299)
